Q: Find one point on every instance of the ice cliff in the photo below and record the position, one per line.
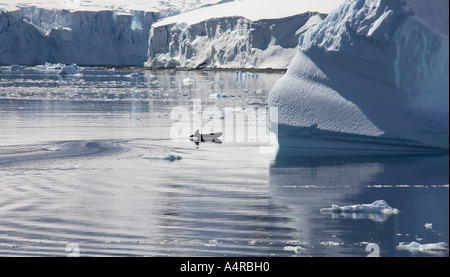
(235, 34)
(373, 75)
(228, 42)
(33, 35)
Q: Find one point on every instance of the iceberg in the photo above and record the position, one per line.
(69, 69)
(373, 75)
(377, 207)
(35, 35)
(429, 247)
(15, 67)
(378, 211)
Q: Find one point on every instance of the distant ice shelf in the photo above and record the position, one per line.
(32, 35)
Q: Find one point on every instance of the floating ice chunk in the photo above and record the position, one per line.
(132, 75)
(379, 206)
(15, 67)
(69, 70)
(429, 225)
(429, 247)
(296, 249)
(330, 243)
(49, 66)
(188, 81)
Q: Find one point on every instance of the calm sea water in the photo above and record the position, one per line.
(87, 161)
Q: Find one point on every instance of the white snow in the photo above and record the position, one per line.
(429, 247)
(253, 10)
(379, 206)
(167, 7)
(372, 76)
(203, 33)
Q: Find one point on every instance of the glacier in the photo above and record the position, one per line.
(228, 42)
(33, 35)
(241, 34)
(203, 33)
(84, 32)
(373, 75)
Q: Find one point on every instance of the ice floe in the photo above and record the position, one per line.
(428, 247)
(377, 211)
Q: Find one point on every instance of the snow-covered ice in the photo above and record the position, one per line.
(95, 32)
(372, 76)
(185, 33)
(378, 211)
(428, 247)
(165, 157)
(70, 69)
(236, 34)
(379, 206)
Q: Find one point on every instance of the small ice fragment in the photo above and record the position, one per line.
(296, 249)
(15, 67)
(330, 243)
(188, 81)
(429, 225)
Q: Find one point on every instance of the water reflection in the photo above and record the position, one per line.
(417, 185)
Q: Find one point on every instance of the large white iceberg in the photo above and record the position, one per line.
(372, 76)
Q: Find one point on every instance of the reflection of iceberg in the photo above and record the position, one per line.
(306, 182)
(373, 75)
(168, 157)
(377, 211)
